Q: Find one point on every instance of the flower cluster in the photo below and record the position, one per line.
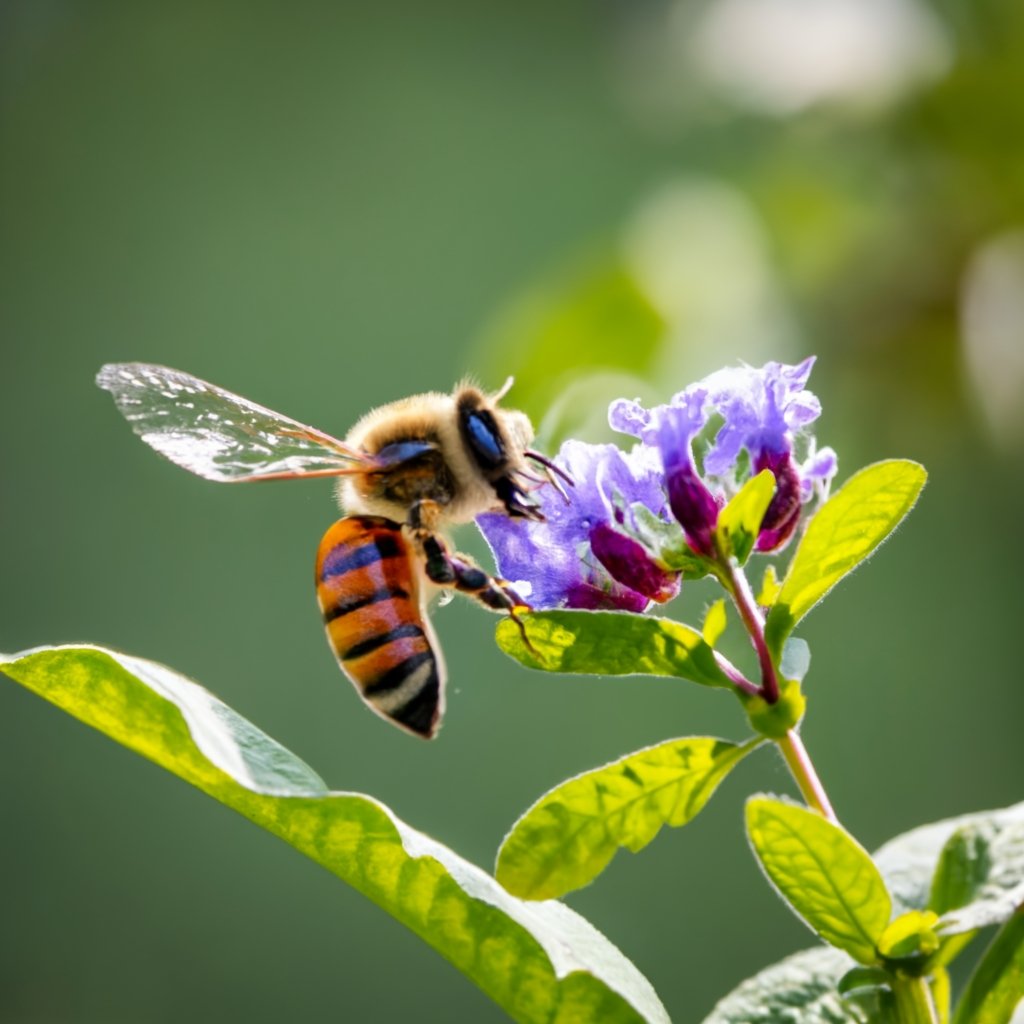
(589, 553)
(576, 557)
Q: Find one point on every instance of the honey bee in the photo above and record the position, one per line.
(406, 471)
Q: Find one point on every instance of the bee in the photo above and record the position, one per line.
(406, 471)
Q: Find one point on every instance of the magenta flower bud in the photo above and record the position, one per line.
(629, 563)
(693, 505)
(784, 509)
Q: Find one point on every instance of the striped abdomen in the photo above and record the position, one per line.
(368, 587)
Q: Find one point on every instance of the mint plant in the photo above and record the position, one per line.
(725, 472)
(727, 469)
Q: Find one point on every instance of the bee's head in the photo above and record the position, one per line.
(498, 441)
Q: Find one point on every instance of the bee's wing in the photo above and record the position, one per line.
(222, 436)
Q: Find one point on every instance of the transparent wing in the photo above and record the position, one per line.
(219, 435)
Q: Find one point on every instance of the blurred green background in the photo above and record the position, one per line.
(327, 206)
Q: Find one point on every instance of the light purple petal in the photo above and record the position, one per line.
(821, 466)
(628, 417)
(762, 408)
(817, 472)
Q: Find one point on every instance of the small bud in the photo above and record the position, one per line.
(693, 505)
(784, 510)
(629, 563)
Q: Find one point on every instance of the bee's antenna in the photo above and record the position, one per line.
(505, 388)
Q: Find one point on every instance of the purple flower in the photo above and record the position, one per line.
(576, 557)
(598, 551)
(764, 411)
(671, 429)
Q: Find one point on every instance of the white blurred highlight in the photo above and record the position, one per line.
(992, 315)
(779, 56)
(699, 250)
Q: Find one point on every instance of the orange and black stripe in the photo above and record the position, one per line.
(369, 592)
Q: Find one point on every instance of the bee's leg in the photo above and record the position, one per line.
(460, 573)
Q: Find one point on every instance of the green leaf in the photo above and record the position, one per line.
(964, 864)
(802, 988)
(540, 963)
(910, 934)
(823, 873)
(994, 906)
(714, 622)
(997, 986)
(740, 521)
(972, 867)
(843, 532)
(569, 836)
(770, 587)
(611, 644)
(862, 977)
(979, 880)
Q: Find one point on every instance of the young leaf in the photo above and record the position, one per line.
(802, 988)
(611, 644)
(910, 934)
(842, 533)
(823, 873)
(569, 836)
(715, 620)
(979, 880)
(740, 521)
(964, 865)
(770, 587)
(985, 851)
(997, 986)
(537, 962)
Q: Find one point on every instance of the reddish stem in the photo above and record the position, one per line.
(750, 613)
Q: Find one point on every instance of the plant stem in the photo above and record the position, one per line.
(791, 746)
(802, 769)
(736, 676)
(750, 613)
(914, 1003)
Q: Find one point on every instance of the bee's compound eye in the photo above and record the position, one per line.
(484, 438)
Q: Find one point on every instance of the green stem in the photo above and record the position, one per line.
(791, 746)
(914, 1003)
(802, 769)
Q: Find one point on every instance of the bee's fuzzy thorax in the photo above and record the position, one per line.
(462, 488)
